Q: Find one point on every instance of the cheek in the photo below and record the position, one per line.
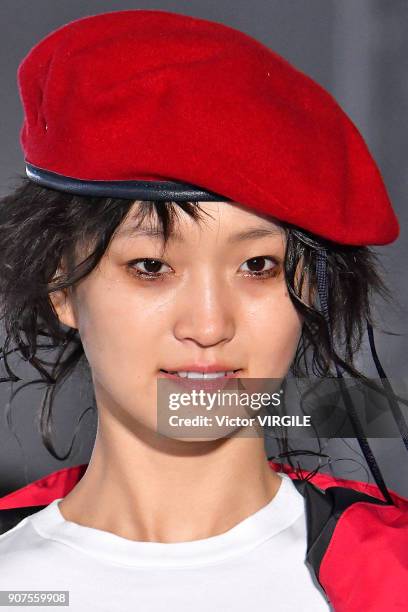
(275, 328)
(118, 329)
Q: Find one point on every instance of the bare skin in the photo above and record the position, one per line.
(207, 306)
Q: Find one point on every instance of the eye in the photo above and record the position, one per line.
(148, 269)
(256, 267)
(151, 269)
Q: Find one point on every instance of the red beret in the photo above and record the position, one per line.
(147, 104)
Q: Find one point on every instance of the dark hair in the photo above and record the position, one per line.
(38, 226)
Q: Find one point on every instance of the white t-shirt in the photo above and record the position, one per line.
(256, 565)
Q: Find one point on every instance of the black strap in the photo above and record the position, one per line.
(322, 285)
(132, 190)
(395, 409)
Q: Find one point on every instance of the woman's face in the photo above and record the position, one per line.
(217, 295)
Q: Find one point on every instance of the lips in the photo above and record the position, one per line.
(209, 384)
(201, 374)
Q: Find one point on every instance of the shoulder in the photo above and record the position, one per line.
(35, 496)
(30, 561)
(370, 543)
(19, 546)
(357, 543)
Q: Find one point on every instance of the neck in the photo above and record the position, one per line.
(146, 487)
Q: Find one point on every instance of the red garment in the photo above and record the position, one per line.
(365, 562)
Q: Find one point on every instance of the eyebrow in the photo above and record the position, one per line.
(251, 233)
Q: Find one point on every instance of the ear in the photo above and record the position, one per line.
(309, 291)
(63, 303)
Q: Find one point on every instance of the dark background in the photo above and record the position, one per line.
(358, 50)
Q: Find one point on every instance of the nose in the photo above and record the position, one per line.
(205, 314)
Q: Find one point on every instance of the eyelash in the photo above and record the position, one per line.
(154, 276)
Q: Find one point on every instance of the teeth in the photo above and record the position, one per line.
(202, 375)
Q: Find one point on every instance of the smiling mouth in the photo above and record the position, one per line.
(201, 375)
